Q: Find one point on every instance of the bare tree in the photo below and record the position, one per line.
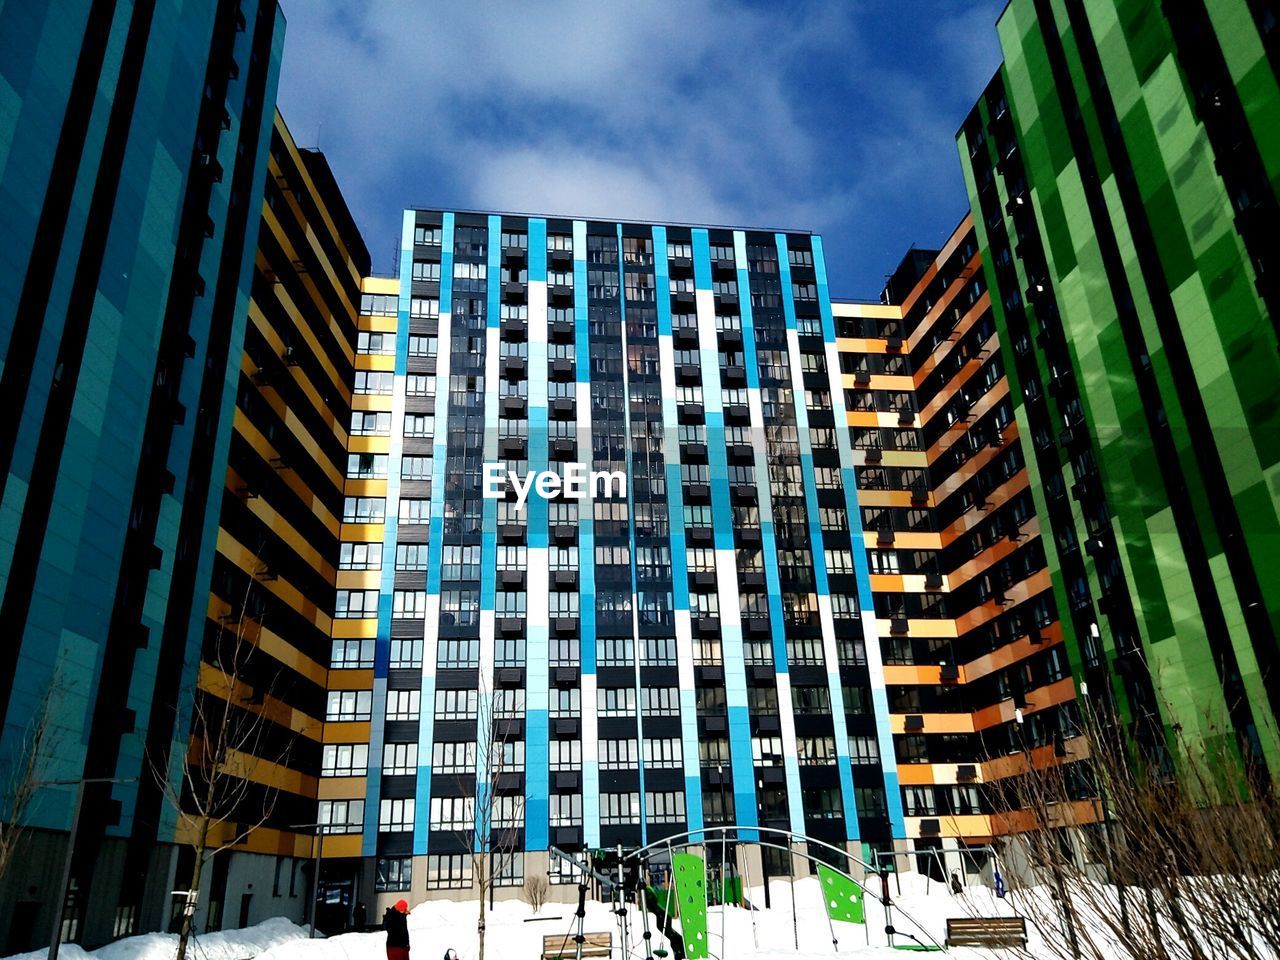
(535, 892)
(495, 813)
(216, 793)
(1174, 856)
(21, 773)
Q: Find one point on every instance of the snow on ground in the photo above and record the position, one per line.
(514, 932)
(253, 941)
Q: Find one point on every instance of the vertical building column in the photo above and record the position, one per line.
(768, 542)
(537, 654)
(435, 542)
(390, 531)
(735, 671)
(675, 524)
(487, 712)
(631, 535)
(586, 549)
(830, 650)
(858, 547)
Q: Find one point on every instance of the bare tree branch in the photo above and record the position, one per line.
(222, 794)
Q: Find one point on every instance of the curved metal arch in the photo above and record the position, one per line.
(883, 896)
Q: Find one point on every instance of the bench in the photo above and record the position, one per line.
(987, 932)
(564, 946)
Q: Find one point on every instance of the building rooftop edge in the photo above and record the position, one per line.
(656, 223)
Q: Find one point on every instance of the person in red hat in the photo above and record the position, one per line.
(396, 922)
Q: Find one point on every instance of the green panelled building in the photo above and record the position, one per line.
(1122, 168)
(133, 146)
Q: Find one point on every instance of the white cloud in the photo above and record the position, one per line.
(691, 110)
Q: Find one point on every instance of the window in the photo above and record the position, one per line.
(453, 757)
(364, 509)
(415, 468)
(660, 701)
(400, 759)
(341, 816)
(415, 510)
(664, 807)
(448, 871)
(402, 704)
(864, 750)
(395, 816)
(360, 556)
(355, 604)
(351, 654)
(419, 425)
(453, 813)
(618, 755)
(426, 236)
(813, 751)
(619, 808)
(350, 705)
(422, 346)
(371, 423)
(460, 607)
(839, 561)
(409, 604)
(566, 809)
(665, 753)
(566, 754)
(379, 305)
(455, 704)
(565, 703)
(367, 466)
(424, 308)
(344, 760)
(393, 874)
(419, 384)
(713, 752)
(411, 556)
(508, 871)
(617, 701)
(426, 270)
(406, 652)
(374, 381)
(458, 654)
(379, 343)
(767, 751)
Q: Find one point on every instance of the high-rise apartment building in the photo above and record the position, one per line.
(270, 611)
(1122, 170)
(977, 678)
(132, 157)
(695, 645)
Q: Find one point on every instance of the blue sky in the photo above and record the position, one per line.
(837, 117)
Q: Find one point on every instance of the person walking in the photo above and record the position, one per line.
(396, 922)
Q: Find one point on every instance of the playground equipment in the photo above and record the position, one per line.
(667, 880)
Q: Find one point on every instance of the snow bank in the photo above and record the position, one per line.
(226, 945)
(514, 932)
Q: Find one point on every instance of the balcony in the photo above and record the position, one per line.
(688, 373)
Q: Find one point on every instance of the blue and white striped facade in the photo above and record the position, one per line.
(674, 658)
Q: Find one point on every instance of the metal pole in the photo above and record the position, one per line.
(791, 877)
(315, 880)
(751, 907)
(59, 913)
